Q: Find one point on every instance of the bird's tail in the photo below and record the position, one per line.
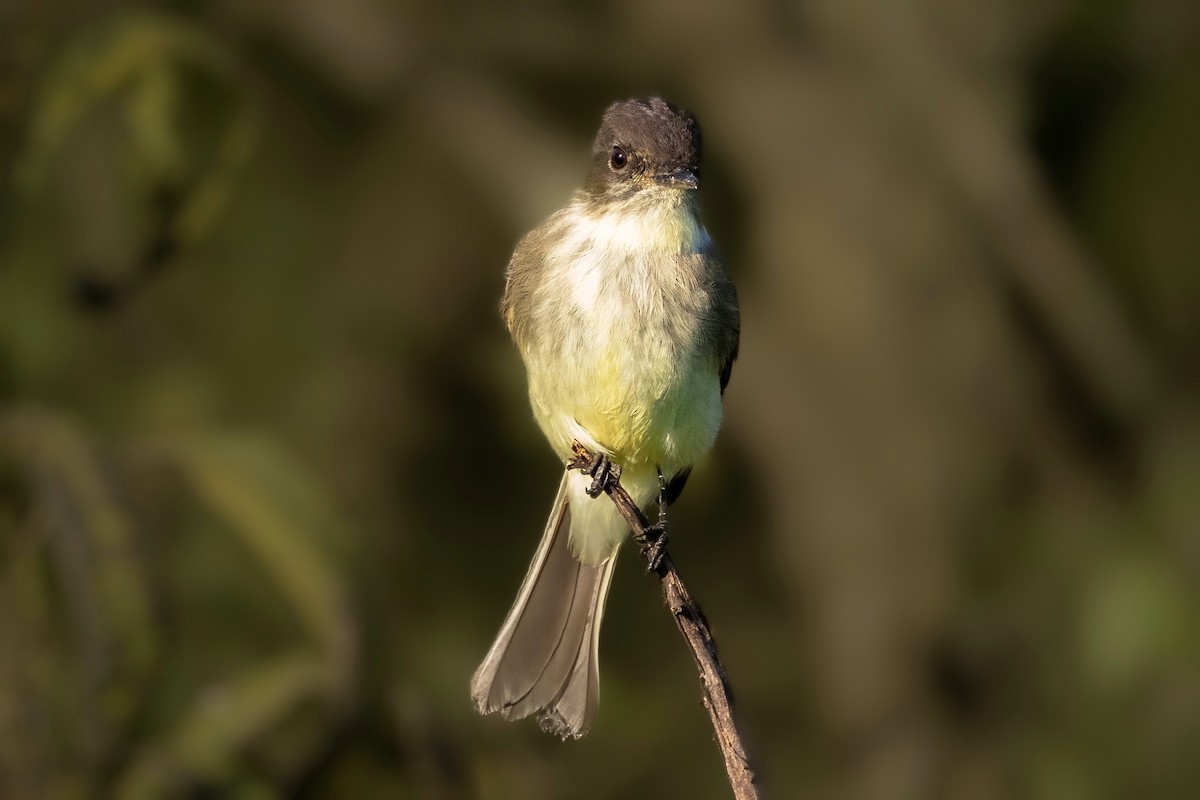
(545, 659)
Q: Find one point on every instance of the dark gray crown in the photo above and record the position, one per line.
(660, 136)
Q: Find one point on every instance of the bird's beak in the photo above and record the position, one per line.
(679, 179)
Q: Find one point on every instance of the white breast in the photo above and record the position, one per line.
(620, 366)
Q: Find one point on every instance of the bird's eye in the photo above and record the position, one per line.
(618, 158)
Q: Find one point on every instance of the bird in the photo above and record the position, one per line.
(628, 327)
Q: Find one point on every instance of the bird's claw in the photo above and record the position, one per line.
(656, 534)
(655, 547)
(604, 474)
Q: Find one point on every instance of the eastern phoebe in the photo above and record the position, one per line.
(628, 326)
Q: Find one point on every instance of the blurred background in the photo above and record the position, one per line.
(269, 480)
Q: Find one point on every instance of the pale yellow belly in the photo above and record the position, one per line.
(634, 399)
(646, 419)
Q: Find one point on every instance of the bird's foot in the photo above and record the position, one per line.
(656, 534)
(604, 474)
(656, 546)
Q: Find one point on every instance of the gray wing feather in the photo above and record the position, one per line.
(723, 321)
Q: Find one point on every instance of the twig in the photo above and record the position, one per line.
(718, 696)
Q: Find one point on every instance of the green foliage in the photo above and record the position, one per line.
(78, 581)
(151, 67)
(211, 738)
(282, 518)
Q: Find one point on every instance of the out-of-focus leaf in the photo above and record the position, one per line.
(223, 721)
(114, 645)
(102, 65)
(282, 517)
(137, 60)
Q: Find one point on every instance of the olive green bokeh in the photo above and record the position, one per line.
(268, 479)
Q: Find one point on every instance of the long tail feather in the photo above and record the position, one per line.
(545, 659)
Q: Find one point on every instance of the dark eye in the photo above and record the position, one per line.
(618, 158)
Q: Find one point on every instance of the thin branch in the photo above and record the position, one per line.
(718, 695)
